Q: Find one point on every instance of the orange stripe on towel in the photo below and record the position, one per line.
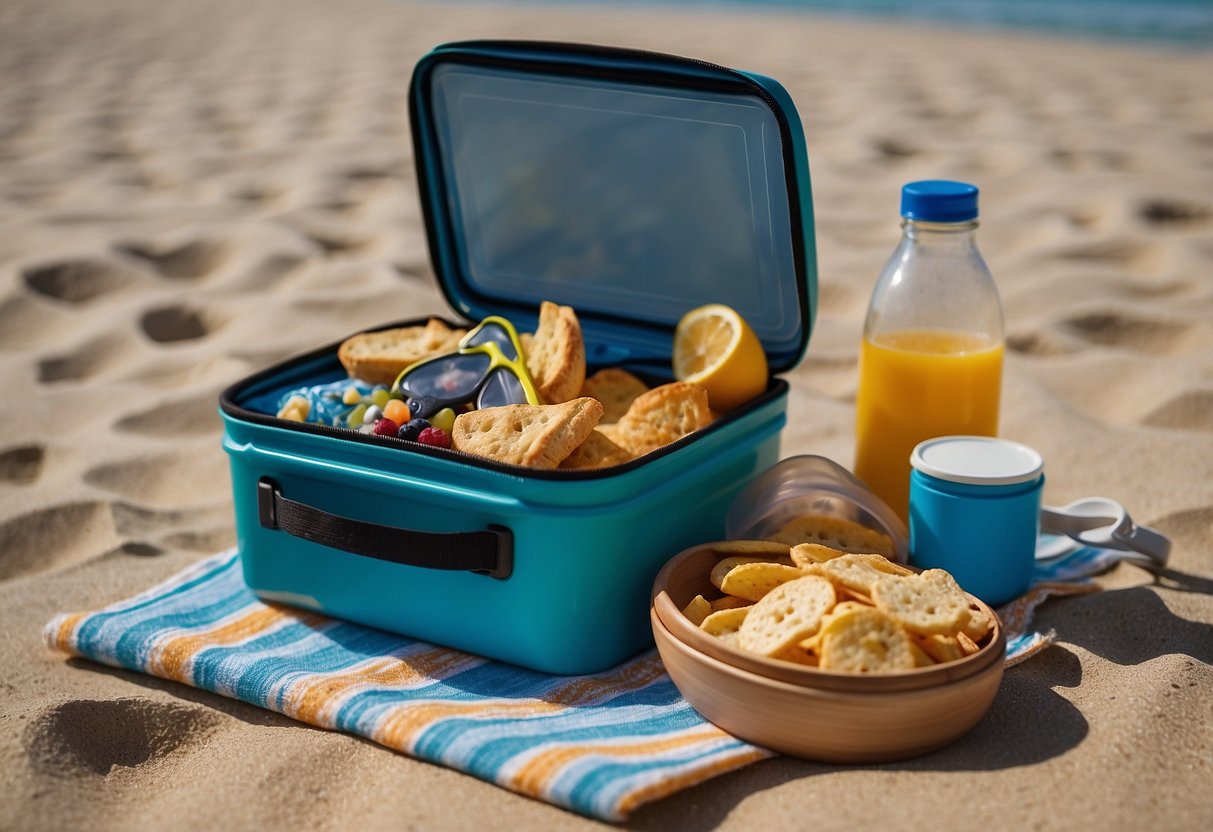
(67, 627)
(660, 789)
(173, 659)
(399, 730)
(308, 700)
(535, 776)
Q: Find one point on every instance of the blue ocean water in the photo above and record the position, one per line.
(1182, 23)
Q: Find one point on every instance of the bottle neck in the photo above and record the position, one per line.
(940, 233)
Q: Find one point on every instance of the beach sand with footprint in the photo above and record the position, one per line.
(190, 192)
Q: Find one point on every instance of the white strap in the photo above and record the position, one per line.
(1104, 523)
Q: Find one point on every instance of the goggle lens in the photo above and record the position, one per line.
(453, 377)
(493, 333)
(502, 387)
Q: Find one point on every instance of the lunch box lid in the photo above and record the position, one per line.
(632, 186)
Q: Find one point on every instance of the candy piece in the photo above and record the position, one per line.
(373, 414)
(380, 396)
(354, 420)
(351, 396)
(413, 429)
(434, 436)
(397, 411)
(325, 404)
(444, 419)
(295, 404)
(386, 427)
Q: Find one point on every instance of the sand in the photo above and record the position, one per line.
(190, 191)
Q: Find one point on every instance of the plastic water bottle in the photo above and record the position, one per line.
(932, 354)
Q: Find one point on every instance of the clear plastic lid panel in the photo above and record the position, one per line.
(629, 200)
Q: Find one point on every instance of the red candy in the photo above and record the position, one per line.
(386, 427)
(436, 437)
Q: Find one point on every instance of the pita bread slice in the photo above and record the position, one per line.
(378, 357)
(616, 389)
(663, 415)
(555, 354)
(595, 452)
(537, 436)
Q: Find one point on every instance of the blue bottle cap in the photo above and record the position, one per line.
(939, 200)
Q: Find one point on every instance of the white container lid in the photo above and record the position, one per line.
(977, 460)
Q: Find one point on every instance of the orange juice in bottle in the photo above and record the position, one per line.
(931, 360)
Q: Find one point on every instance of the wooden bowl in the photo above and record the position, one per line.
(808, 712)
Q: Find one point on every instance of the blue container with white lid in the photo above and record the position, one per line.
(631, 186)
(975, 511)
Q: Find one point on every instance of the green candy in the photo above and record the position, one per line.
(444, 419)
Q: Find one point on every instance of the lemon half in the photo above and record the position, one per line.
(715, 348)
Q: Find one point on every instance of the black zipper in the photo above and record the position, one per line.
(228, 403)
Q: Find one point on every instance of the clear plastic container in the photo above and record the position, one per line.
(810, 485)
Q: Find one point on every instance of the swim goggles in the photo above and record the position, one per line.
(486, 370)
(1103, 524)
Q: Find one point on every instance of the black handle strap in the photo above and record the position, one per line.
(489, 552)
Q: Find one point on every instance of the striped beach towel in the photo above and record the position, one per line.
(600, 745)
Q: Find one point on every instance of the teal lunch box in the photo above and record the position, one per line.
(631, 186)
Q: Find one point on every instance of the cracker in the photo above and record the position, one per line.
(940, 648)
(609, 430)
(788, 614)
(979, 624)
(967, 645)
(836, 533)
(777, 551)
(852, 595)
(858, 573)
(595, 452)
(697, 610)
(841, 608)
(724, 622)
(806, 554)
(555, 356)
(537, 436)
(798, 655)
(865, 641)
(379, 357)
(753, 581)
(924, 604)
(724, 564)
(616, 389)
(921, 659)
(663, 415)
(722, 567)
